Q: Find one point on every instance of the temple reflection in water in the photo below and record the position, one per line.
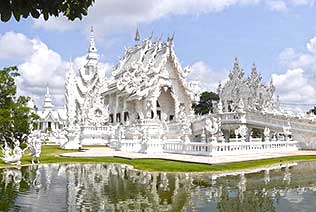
(115, 187)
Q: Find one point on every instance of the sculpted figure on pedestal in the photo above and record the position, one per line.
(12, 156)
(34, 143)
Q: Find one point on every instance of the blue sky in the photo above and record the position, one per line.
(208, 35)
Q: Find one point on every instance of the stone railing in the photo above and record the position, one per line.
(152, 146)
(238, 147)
(128, 145)
(95, 129)
(260, 120)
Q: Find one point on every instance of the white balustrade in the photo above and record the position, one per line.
(237, 147)
(129, 145)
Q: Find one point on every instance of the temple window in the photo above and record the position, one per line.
(152, 114)
(98, 113)
(157, 104)
(171, 117)
(111, 118)
(229, 107)
(159, 114)
(118, 117)
(126, 116)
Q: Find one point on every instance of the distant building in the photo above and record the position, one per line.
(250, 92)
(51, 119)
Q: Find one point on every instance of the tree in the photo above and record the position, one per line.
(15, 117)
(205, 104)
(313, 111)
(72, 9)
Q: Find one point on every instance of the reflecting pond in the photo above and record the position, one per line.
(117, 187)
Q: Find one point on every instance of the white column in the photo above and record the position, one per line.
(115, 108)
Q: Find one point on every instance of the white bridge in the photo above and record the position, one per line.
(303, 130)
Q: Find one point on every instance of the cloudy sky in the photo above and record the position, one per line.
(278, 35)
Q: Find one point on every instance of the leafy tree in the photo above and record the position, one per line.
(312, 111)
(72, 9)
(15, 117)
(205, 105)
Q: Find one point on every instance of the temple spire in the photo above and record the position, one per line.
(254, 77)
(237, 72)
(137, 36)
(92, 51)
(92, 47)
(48, 105)
(47, 91)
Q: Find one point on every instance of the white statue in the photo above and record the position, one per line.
(241, 106)
(220, 106)
(287, 131)
(212, 126)
(13, 156)
(6, 151)
(121, 132)
(35, 146)
(203, 136)
(266, 133)
(242, 131)
(186, 124)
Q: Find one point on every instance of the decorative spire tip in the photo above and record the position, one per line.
(137, 36)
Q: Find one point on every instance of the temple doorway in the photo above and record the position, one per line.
(165, 105)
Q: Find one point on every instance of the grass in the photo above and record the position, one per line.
(50, 154)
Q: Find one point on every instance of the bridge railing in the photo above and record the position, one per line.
(270, 120)
(237, 147)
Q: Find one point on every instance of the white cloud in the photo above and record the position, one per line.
(277, 5)
(15, 45)
(208, 79)
(43, 67)
(311, 45)
(291, 59)
(116, 15)
(292, 86)
(302, 2)
(294, 90)
(298, 85)
(287, 56)
(40, 66)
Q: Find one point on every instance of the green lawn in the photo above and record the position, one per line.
(50, 154)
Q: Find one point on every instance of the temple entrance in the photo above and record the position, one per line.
(165, 106)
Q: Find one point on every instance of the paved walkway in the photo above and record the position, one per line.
(108, 152)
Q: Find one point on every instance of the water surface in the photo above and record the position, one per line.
(115, 187)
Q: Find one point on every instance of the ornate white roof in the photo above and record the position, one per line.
(251, 90)
(144, 66)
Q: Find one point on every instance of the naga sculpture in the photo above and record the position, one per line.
(242, 130)
(12, 156)
(35, 146)
(212, 126)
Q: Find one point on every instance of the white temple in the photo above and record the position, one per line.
(51, 119)
(250, 91)
(146, 106)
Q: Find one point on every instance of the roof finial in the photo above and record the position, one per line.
(172, 37)
(92, 53)
(92, 47)
(47, 89)
(160, 38)
(70, 64)
(137, 36)
(151, 35)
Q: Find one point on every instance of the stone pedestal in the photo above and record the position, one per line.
(73, 139)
